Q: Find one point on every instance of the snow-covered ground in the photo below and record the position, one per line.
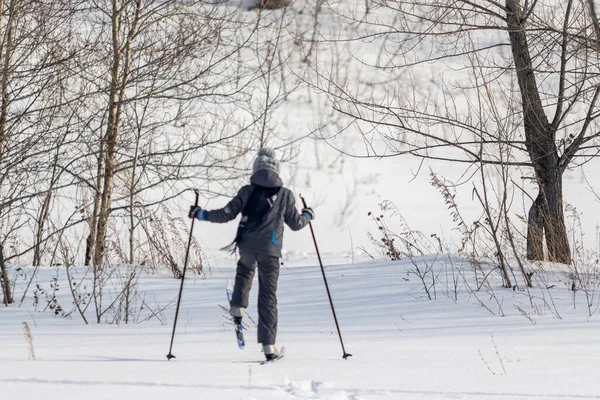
(404, 345)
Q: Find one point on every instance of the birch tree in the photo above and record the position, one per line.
(170, 94)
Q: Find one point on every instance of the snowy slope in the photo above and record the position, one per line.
(404, 346)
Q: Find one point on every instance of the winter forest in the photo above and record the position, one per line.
(448, 148)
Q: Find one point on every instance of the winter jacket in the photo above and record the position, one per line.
(267, 237)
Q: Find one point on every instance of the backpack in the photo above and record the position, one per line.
(254, 213)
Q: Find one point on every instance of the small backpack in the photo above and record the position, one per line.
(254, 213)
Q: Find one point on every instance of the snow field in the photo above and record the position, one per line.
(404, 346)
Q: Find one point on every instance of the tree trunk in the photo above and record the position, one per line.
(541, 146)
(535, 231)
(106, 195)
(39, 236)
(2, 131)
(5, 280)
(132, 186)
(554, 221)
(119, 80)
(44, 213)
(91, 240)
(6, 52)
(546, 220)
(112, 132)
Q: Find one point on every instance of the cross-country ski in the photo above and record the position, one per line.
(278, 355)
(237, 321)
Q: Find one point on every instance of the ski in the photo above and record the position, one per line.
(239, 329)
(239, 333)
(279, 356)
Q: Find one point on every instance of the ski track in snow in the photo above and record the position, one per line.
(298, 389)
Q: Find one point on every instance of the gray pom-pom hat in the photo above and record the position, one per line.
(266, 160)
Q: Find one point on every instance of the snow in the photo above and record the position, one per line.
(403, 345)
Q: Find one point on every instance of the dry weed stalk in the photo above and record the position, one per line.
(166, 239)
(29, 340)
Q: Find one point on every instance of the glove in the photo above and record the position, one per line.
(197, 212)
(309, 213)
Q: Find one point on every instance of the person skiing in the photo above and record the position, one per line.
(265, 206)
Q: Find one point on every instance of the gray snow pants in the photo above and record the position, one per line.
(268, 274)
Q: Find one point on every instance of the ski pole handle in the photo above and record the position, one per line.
(303, 201)
(197, 196)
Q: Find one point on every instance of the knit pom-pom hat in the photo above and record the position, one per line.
(265, 159)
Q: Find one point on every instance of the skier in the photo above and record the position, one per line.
(265, 205)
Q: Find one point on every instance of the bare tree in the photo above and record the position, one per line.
(33, 45)
(164, 64)
(113, 106)
(421, 93)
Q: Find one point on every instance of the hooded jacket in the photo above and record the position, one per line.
(267, 237)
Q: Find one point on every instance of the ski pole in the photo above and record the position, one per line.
(346, 355)
(187, 253)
